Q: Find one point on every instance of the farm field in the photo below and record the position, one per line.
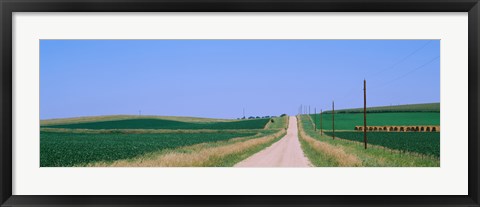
(84, 119)
(427, 143)
(142, 123)
(322, 150)
(348, 121)
(87, 143)
(427, 107)
(69, 149)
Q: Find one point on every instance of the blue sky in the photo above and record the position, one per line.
(218, 78)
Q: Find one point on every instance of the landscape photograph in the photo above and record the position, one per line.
(240, 103)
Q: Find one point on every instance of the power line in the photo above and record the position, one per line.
(408, 73)
(352, 90)
(402, 60)
(391, 81)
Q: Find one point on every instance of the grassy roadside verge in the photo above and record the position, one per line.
(217, 154)
(323, 154)
(333, 155)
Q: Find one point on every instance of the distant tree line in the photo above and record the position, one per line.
(261, 117)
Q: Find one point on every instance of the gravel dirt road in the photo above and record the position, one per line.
(284, 153)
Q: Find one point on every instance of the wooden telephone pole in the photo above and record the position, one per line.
(365, 113)
(315, 118)
(321, 128)
(333, 119)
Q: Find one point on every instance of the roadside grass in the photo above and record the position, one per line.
(317, 158)
(374, 156)
(216, 154)
(231, 159)
(322, 154)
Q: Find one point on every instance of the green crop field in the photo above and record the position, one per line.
(424, 143)
(164, 124)
(86, 140)
(427, 143)
(348, 121)
(85, 119)
(428, 107)
(77, 149)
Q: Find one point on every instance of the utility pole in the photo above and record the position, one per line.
(321, 127)
(243, 113)
(315, 119)
(333, 119)
(365, 113)
(308, 109)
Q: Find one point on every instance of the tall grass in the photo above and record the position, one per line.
(324, 154)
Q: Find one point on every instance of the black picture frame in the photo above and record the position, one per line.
(7, 7)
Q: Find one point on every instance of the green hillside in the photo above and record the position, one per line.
(427, 107)
(84, 119)
(348, 121)
(164, 124)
